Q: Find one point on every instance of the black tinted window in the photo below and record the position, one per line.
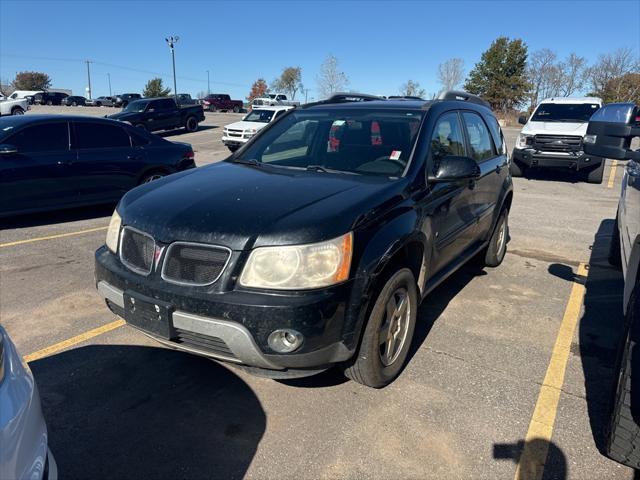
(496, 133)
(50, 137)
(447, 137)
(97, 135)
(479, 138)
(564, 112)
(139, 140)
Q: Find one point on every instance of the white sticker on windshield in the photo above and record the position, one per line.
(339, 122)
(395, 155)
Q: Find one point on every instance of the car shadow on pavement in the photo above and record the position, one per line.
(180, 131)
(555, 467)
(550, 175)
(600, 329)
(118, 411)
(58, 216)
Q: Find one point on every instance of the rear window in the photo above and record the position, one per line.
(97, 135)
(366, 142)
(564, 112)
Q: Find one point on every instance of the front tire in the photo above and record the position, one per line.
(516, 169)
(595, 175)
(623, 435)
(49, 102)
(17, 111)
(212, 108)
(232, 148)
(388, 333)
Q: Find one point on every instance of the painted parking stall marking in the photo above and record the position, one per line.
(52, 237)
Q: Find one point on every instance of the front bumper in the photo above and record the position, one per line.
(532, 158)
(234, 326)
(234, 141)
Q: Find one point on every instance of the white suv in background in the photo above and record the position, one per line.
(237, 134)
(552, 138)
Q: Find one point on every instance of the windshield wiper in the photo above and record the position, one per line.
(247, 161)
(318, 168)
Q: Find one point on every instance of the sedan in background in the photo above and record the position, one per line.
(23, 432)
(100, 102)
(74, 101)
(49, 162)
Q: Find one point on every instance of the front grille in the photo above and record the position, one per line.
(205, 343)
(235, 133)
(194, 264)
(557, 143)
(136, 250)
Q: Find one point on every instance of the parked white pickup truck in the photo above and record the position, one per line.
(273, 99)
(237, 134)
(13, 107)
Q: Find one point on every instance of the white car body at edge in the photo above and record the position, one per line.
(237, 134)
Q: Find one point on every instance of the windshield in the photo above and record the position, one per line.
(136, 107)
(359, 141)
(564, 112)
(262, 116)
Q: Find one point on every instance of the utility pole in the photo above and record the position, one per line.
(89, 77)
(171, 41)
(208, 84)
(306, 93)
(109, 78)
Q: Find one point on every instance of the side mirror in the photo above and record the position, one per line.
(6, 149)
(522, 119)
(610, 131)
(453, 168)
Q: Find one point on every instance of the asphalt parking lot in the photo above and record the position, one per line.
(509, 365)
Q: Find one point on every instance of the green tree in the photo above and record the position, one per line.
(290, 81)
(155, 88)
(500, 75)
(32, 81)
(258, 89)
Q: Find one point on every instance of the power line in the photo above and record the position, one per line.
(122, 67)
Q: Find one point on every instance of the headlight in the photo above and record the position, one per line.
(524, 140)
(300, 266)
(589, 139)
(113, 233)
(250, 132)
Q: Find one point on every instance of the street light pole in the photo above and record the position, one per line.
(208, 84)
(109, 78)
(171, 41)
(89, 77)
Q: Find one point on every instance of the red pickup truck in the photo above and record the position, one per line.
(221, 101)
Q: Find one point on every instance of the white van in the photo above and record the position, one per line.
(552, 138)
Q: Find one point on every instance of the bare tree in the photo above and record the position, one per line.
(609, 67)
(331, 79)
(289, 82)
(450, 73)
(544, 76)
(573, 71)
(412, 89)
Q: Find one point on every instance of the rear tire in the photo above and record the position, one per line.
(497, 248)
(615, 255)
(595, 175)
(49, 102)
(212, 108)
(191, 124)
(516, 169)
(388, 333)
(623, 436)
(236, 109)
(74, 104)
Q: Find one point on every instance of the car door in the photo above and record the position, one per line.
(450, 204)
(629, 213)
(162, 115)
(492, 162)
(107, 165)
(36, 176)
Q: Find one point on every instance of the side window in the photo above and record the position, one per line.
(447, 137)
(165, 104)
(479, 138)
(138, 140)
(496, 133)
(98, 135)
(52, 137)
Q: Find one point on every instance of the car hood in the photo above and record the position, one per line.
(242, 125)
(244, 206)
(556, 128)
(123, 116)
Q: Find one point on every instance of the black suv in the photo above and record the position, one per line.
(314, 243)
(124, 99)
(49, 98)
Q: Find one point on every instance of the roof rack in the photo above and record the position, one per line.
(345, 97)
(464, 96)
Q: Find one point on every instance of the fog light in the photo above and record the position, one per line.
(285, 340)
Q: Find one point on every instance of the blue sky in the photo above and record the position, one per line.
(379, 44)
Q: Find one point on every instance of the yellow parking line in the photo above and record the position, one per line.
(45, 352)
(534, 455)
(612, 173)
(52, 237)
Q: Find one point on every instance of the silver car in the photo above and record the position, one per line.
(24, 453)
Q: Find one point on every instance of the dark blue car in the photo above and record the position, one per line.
(50, 162)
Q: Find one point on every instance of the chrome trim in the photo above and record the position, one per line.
(133, 268)
(236, 336)
(111, 293)
(192, 284)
